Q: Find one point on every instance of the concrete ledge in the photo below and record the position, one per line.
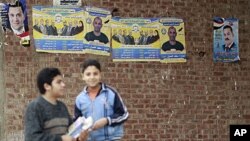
(2, 88)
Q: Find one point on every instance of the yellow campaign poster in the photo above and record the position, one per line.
(173, 46)
(135, 39)
(97, 37)
(58, 30)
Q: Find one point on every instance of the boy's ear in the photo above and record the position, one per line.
(46, 86)
(82, 75)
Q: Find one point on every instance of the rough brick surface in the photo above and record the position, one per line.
(192, 101)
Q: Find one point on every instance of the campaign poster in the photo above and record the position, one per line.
(58, 30)
(226, 39)
(97, 37)
(172, 36)
(14, 19)
(135, 39)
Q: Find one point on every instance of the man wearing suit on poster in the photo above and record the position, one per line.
(125, 36)
(156, 36)
(115, 36)
(96, 34)
(144, 42)
(43, 27)
(150, 37)
(69, 29)
(120, 37)
(77, 27)
(50, 27)
(172, 44)
(47, 27)
(53, 28)
(74, 28)
(16, 18)
(36, 26)
(64, 29)
(17, 22)
(131, 38)
(229, 45)
(153, 36)
(141, 38)
(80, 27)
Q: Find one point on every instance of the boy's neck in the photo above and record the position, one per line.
(50, 99)
(94, 89)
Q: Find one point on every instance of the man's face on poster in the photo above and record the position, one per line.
(36, 22)
(151, 32)
(16, 17)
(41, 22)
(47, 22)
(70, 23)
(58, 19)
(141, 33)
(65, 23)
(120, 32)
(52, 23)
(114, 32)
(228, 36)
(80, 24)
(97, 25)
(172, 34)
(130, 33)
(124, 32)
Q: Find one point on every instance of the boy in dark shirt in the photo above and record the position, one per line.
(47, 118)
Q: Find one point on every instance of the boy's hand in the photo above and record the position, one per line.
(83, 136)
(67, 138)
(100, 123)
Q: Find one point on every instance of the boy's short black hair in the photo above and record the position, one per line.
(46, 75)
(90, 62)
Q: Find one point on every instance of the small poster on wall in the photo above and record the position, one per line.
(14, 19)
(172, 35)
(97, 37)
(58, 30)
(226, 40)
(135, 39)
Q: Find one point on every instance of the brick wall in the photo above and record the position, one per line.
(192, 101)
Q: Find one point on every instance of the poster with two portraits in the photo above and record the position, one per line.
(14, 19)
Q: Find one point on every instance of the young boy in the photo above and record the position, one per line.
(102, 103)
(47, 118)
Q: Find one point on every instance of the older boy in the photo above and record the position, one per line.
(47, 118)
